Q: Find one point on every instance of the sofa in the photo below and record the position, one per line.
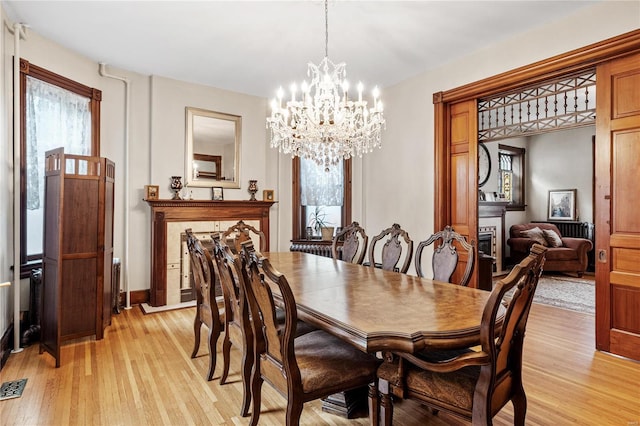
(564, 254)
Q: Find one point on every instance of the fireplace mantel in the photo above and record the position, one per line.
(164, 212)
(492, 208)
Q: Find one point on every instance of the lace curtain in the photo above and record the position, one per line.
(55, 118)
(319, 187)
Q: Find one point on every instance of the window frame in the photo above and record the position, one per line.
(517, 181)
(297, 219)
(27, 69)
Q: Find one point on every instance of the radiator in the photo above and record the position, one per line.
(317, 249)
(574, 229)
(32, 332)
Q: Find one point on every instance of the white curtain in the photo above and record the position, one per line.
(320, 187)
(55, 118)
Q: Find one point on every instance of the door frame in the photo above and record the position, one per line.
(566, 63)
(448, 191)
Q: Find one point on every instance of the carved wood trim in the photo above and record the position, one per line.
(564, 63)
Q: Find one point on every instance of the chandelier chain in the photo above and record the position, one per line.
(326, 28)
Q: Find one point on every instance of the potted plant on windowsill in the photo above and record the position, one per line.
(317, 221)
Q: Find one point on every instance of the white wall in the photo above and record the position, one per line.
(560, 160)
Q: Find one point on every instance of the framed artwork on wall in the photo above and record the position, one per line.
(267, 195)
(562, 204)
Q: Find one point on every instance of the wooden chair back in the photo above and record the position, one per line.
(474, 384)
(328, 364)
(354, 244)
(398, 244)
(235, 235)
(277, 362)
(238, 331)
(206, 306)
(445, 255)
(500, 379)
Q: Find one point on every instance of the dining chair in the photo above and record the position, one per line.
(304, 368)
(398, 243)
(354, 244)
(472, 384)
(240, 232)
(207, 310)
(445, 256)
(236, 320)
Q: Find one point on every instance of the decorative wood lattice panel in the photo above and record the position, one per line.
(558, 104)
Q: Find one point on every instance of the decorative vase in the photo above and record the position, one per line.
(176, 186)
(253, 188)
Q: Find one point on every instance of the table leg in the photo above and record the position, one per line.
(386, 404)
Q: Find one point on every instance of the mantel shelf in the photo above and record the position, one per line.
(209, 203)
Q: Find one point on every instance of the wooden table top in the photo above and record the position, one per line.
(380, 310)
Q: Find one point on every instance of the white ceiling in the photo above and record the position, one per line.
(254, 47)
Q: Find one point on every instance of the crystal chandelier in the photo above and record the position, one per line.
(325, 125)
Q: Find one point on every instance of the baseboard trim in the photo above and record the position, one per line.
(5, 345)
(140, 296)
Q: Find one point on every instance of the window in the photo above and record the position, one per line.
(511, 175)
(320, 195)
(55, 112)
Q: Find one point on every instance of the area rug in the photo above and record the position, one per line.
(576, 294)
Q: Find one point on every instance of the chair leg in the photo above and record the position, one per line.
(197, 325)
(256, 387)
(294, 410)
(386, 404)
(247, 366)
(214, 333)
(226, 352)
(374, 404)
(519, 401)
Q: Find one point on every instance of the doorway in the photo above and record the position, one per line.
(456, 147)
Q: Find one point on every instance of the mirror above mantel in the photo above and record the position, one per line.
(212, 148)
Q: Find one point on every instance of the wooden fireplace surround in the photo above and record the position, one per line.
(165, 211)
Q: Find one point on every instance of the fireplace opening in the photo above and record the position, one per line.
(487, 243)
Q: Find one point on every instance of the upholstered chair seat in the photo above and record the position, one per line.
(327, 363)
(455, 388)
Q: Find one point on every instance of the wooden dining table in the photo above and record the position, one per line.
(377, 310)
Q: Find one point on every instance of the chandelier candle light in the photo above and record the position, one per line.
(324, 124)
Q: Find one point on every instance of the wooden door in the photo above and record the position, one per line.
(618, 206)
(456, 174)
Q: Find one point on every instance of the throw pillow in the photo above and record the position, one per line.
(552, 238)
(536, 235)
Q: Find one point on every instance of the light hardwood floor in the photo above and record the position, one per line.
(142, 373)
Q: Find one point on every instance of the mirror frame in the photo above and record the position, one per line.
(192, 112)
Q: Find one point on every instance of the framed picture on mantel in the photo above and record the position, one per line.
(217, 194)
(562, 204)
